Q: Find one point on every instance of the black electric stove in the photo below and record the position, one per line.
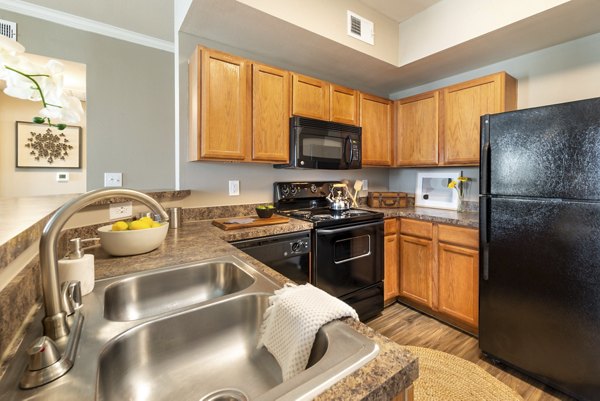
(347, 246)
(308, 201)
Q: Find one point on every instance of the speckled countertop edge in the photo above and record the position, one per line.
(465, 219)
(23, 219)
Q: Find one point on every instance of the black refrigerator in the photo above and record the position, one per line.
(540, 243)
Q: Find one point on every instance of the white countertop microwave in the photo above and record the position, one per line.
(432, 190)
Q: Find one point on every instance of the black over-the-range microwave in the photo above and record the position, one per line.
(323, 145)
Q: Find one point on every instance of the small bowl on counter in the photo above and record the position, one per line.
(132, 242)
(265, 213)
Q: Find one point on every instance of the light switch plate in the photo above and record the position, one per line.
(234, 187)
(113, 179)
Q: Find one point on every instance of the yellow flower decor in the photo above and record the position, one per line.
(459, 184)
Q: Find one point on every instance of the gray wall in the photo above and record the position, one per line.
(405, 179)
(130, 101)
(256, 180)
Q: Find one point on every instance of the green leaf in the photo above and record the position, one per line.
(39, 120)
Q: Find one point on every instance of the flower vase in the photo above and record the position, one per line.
(461, 207)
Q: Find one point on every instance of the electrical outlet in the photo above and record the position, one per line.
(120, 211)
(113, 179)
(365, 186)
(234, 187)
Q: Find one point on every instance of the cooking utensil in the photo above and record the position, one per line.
(357, 187)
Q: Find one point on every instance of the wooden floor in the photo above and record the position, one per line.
(409, 327)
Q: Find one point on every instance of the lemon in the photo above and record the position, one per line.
(120, 226)
(147, 220)
(138, 225)
(155, 224)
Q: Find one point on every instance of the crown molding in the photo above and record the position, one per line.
(85, 24)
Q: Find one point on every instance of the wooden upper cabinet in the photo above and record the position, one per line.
(219, 106)
(417, 130)
(376, 123)
(464, 104)
(310, 97)
(270, 114)
(343, 105)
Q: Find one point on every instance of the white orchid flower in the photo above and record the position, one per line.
(29, 81)
(10, 46)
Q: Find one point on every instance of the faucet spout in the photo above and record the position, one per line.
(54, 322)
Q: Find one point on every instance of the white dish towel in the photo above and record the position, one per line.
(291, 322)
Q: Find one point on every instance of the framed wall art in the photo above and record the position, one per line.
(42, 146)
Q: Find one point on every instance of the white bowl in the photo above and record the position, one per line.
(131, 242)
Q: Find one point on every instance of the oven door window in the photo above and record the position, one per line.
(349, 249)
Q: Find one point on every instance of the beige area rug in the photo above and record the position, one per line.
(445, 377)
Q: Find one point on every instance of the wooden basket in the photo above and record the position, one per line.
(387, 199)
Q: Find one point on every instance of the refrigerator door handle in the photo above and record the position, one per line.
(484, 170)
(484, 236)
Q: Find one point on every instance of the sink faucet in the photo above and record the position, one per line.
(55, 322)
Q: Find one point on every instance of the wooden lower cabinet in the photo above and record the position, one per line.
(439, 271)
(458, 285)
(416, 259)
(391, 271)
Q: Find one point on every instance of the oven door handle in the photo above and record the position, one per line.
(352, 227)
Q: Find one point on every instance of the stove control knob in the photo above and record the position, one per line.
(296, 246)
(313, 188)
(285, 190)
(294, 190)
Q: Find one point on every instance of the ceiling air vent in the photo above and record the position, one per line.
(361, 28)
(8, 29)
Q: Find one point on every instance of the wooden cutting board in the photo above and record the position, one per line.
(253, 221)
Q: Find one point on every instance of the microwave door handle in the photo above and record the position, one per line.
(348, 150)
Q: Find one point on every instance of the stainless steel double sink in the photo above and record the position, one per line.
(190, 333)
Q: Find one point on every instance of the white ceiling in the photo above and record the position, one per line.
(399, 10)
(224, 23)
(155, 17)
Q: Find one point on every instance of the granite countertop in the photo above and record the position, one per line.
(23, 219)
(466, 219)
(383, 378)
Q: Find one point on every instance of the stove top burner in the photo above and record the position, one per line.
(305, 214)
(324, 215)
(308, 201)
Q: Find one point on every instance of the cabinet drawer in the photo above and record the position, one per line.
(416, 228)
(389, 226)
(463, 236)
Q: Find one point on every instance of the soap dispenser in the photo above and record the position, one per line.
(78, 266)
